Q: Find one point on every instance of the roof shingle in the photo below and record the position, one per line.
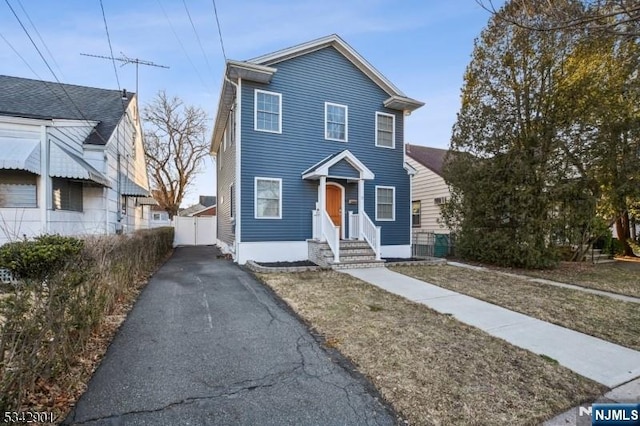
(23, 97)
(431, 158)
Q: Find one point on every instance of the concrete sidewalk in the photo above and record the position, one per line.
(207, 344)
(604, 362)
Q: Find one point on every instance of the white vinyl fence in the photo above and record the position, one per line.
(194, 231)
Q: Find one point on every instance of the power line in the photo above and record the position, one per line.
(41, 39)
(206, 86)
(197, 37)
(51, 70)
(215, 11)
(106, 28)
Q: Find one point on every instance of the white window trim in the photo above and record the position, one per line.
(255, 111)
(346, 122)
(393, 130)
(255, 198)
(393, 205)
(224, 141)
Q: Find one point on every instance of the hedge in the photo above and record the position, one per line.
(66, 286)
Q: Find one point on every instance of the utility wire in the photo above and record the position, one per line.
(215, 11)
(50, 69)
(46, 84)
(106, 29)
(206, 86)
(41, 39)
(197, 36)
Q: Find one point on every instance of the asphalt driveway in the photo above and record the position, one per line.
(206, 344)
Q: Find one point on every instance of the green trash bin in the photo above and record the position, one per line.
(441, 248)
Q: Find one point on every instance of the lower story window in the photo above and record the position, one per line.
(268, 198)
(67, 194)
(416, 209)
(385, 203)
(18, 189)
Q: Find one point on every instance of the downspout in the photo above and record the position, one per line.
(237, 184)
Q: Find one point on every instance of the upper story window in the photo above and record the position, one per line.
(385, 130)
(268, 111)
(336, 126)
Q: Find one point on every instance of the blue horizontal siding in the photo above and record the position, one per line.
(306, 83)
(343, 169)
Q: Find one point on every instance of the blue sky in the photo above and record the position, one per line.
(422, 46)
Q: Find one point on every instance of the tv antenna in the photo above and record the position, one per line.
(127, 60)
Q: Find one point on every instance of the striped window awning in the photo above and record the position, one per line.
(20, 154)
(129, 188)
(65, 164)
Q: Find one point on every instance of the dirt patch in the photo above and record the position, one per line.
(599, 316)
(430, 367)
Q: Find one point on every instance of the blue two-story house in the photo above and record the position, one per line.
(309, 147)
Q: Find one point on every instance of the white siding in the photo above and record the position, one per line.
(427, 186)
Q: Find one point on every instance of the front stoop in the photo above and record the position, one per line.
(353, 254)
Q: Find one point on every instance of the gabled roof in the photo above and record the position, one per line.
(27, 98)
(322, 167)
(431, 158)
(262, 68)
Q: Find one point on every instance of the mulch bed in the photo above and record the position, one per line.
(402, 259)
(286, 264)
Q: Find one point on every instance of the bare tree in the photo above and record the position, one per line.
(175, 148)
(618, 17)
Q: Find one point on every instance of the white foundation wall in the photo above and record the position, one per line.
(276, 251)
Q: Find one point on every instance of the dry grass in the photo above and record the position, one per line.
(430, 367)
(599, 316)
(622, 277)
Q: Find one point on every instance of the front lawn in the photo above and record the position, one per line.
(622, 277)
(432, 368)
(599, 316)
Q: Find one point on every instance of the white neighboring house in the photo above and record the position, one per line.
(71, 160)
(429, 190)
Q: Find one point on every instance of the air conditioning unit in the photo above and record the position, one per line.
(440, 200)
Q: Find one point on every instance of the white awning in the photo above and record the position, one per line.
(20, 154)
(65, 164)
(129, 188)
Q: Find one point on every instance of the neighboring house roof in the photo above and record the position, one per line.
(431, 158)
(261, 70)
(27, 98)
(191, 209)
(207, 200)
(206, 211)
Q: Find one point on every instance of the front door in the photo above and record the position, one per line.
(334, 205)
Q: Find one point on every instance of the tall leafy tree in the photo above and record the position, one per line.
(175, 148)
(508, 186)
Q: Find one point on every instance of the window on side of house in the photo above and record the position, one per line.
(268, 198)
(268, 111)
(385, 203)
(385, 130)
(416, 209)
(67, 194)
(18, 189)
(336, 122)
(157, 216)
(232, 204)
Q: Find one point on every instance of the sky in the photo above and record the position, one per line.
(422, 46)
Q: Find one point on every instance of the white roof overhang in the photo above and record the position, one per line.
(20, 154)
(65, 164)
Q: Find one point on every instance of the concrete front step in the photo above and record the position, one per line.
(353, 254)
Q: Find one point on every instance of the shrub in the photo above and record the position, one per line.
(66, 287)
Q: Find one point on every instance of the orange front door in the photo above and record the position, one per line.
(334, 205)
